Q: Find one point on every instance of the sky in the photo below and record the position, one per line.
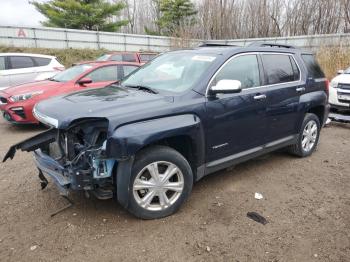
(19, 12)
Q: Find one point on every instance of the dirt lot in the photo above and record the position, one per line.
(306, 201)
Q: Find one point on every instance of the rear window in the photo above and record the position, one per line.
(280, 68)
(21, 62)
(41, 61)
(312, 66)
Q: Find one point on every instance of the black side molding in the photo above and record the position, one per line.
(32, 143)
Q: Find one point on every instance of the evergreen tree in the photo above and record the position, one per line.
(81, 14)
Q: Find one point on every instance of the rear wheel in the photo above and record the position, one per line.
(308, 136)
(161, 181)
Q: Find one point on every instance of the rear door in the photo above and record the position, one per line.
(283, 89)
(22, 69)
(4, 74)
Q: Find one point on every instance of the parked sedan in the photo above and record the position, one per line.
(17, 102)
(20, 68)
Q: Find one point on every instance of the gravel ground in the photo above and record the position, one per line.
(306, 203)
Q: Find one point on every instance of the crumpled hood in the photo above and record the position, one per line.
(343, 78)
(32, 87)
(110, 102)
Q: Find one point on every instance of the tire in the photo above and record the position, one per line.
(153, 194)
(300, 149)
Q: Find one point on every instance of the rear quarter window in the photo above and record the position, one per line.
(41, 61)
(312, 66)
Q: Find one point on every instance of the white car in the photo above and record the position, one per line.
(20, 68)
(339, 91)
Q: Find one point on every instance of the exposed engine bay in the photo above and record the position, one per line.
(75, 158)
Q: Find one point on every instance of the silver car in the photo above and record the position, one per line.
(20, 68)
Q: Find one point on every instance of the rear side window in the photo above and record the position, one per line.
(280, 68)
(41, 61)
(106, 73)
(244, 68)
(146, 57)
(312, 66)
(123, 58)
(17, 62)
(2, 63)
(129, 58)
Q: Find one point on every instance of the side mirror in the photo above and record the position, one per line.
(340, 72)
(227, 87)
(84, 81)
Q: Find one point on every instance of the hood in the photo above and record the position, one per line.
(343, 78)
(32, 87)
(110, 103)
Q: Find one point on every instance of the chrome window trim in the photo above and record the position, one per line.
(254, 53)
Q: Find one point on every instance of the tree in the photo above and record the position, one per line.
(173, 14)
(82, 14)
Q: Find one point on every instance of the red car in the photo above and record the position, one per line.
(17, 102)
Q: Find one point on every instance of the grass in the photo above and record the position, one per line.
(331, 59)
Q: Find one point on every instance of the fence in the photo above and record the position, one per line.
(69, 38)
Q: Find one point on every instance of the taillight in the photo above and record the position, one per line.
(327, 87)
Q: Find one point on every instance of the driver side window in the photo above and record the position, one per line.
(243, 68)
(102, 74)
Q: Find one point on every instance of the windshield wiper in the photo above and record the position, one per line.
(144, 88)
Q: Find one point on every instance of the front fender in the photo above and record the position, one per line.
(128, 139)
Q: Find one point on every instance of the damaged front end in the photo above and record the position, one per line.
(74, 158)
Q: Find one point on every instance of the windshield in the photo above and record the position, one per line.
(175, 72)
(103, 58)
(71, 73)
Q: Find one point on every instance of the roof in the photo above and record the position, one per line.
(26, 54)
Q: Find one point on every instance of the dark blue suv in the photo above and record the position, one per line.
(184, 115)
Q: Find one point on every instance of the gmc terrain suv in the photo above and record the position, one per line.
(182, 116)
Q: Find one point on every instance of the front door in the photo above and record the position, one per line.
(236, 123)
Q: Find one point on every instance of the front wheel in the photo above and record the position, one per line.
(308, 136)
(161, 181)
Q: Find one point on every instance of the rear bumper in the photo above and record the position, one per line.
(65, 178)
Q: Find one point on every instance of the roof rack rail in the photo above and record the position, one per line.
(215, 45)
(263, 44)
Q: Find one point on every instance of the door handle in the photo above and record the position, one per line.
(300, 89)
(259, 97)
